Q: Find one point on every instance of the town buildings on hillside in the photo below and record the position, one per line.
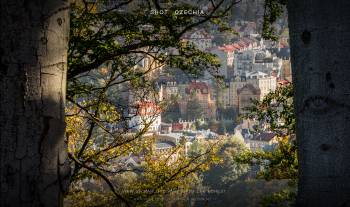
(201, 93)
(250, 66)
(200, 38)
(245, 96)
(145, 116)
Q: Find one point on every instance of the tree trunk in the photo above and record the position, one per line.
(320, 45)
(33, 51)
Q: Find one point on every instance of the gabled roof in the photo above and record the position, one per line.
(237, 45)
(255, 73)
(255, 91)
(264, 136)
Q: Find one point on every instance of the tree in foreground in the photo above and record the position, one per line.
(320, 77)
(33, 81)
(319, 36)
(115, 53)
(276, 113)
(34, 42)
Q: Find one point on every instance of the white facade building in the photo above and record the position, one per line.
(263, 81)
(145, 115)
(254, 60)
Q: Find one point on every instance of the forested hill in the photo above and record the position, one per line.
(253, 10)
(249, 10)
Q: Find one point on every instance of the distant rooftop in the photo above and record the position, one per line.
(264, 136)
(165, 145)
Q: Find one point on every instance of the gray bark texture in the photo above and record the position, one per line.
(33, 50)
(320, 49)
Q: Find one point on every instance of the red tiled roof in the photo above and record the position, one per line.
(238, 45)
(227, 48)
(177, 126)
(147, 108)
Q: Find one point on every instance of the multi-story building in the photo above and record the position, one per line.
(200, 38)
(145, 115)
(245, 96)
(262, 141)
(227, 96)
(266, 62)
(225, 54)
(266, 85)
(200, 92)
(243, 49)
(262, 81)
(170, 89)
(243, 61)
(253, 60)
(223, 95)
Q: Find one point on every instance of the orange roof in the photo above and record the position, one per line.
(230, 48)
(147, 108)
(177, 126)
(238, 45)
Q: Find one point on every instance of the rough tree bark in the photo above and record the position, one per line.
(33, 50)
(320, 45)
